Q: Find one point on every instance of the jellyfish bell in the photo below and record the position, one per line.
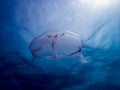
(57, 43)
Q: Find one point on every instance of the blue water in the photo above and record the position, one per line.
(22, 21)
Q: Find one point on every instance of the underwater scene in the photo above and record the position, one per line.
(59, 44)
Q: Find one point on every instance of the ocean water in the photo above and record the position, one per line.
(97, 24)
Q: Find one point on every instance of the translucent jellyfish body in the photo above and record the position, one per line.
(56, 43)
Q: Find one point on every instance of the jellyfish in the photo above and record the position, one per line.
(57, 43)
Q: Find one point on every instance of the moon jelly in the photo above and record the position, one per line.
(57, 43)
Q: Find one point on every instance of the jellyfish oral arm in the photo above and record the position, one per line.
(75, 52)
(54, 50)
(82, 58)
